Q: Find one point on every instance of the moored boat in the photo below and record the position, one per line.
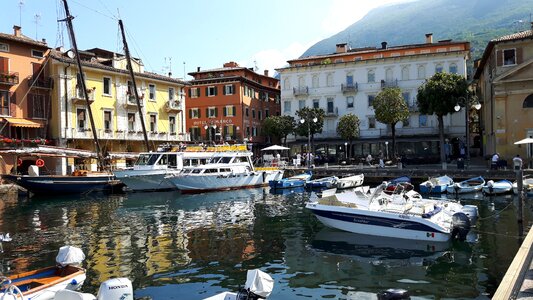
(470, 185)
(436, 185)
(497, 187)
(527, 187)
(291, 182)
(350, 181)
(322, 183)
(259, 285)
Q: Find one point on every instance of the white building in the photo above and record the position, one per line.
(348, 80)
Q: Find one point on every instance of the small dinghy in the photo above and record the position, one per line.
(471, 185)
(400, 180)
(322, 183)
(350, 181)
(436, 185)
(497, 188)
(259, 285)
(527, 187)
(291, 182)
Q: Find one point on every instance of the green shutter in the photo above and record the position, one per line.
(190, 92)
(224, 111)
(216, 89)
(190, 113)
(207, 112)
(224, 90)
(216, 112)
(206, 91)
(234, 110)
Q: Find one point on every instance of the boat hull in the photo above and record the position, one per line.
(63, 184)
(350, 182)
(149, 180)
(498, 188)
(207, 183)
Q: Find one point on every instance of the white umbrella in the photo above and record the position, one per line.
(524, 141)
(274, 147)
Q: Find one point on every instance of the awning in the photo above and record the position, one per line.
(20, 122)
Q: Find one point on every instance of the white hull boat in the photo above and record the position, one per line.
(527, 187)
(259, 285)
(436, 185)
(497, 188)
(326, 182)
(145, 180)
(350, 181)
(471, 185)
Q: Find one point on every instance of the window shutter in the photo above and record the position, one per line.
(518, 56)
(190, 113)
(206, 91)
(199, 113)
(207, 112)
(233, 89)
(13, 104)
(190, 92)
(224, 111)
(31, 100)
(215, 88)
(499, 58)
(224, 90)
(216, 111)
(4, 65)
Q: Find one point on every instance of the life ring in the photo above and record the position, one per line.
(39, 163)
(19, 162)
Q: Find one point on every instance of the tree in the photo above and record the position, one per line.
(348, 129)
(390, 108)
(308, 114)
(279, 126)
(438, 96)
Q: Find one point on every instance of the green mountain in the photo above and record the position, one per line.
(476, 21)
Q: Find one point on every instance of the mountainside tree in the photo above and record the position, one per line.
(438, 95)
(308, 114)
(390, 108)
(279, 126)
(348, 129)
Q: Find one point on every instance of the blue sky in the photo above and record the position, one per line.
(191, 34)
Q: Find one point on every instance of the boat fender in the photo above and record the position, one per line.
(394, 294)
(460, 226)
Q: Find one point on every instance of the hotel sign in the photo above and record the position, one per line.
(215, 121)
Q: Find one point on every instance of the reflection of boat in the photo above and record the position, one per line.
(401, 214)
(326, 182)
(350, 181)
(468, 186)
(527, 187)
(259, 285)
(44, 283)
(296, 190)
(291, 182)
(497, 188)
(436, 184)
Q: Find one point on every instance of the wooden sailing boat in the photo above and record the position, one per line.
(79, 182)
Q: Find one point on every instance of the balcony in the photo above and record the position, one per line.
(389, 83)
(173, 105)
(300, 91)
(10, 78)
(130, 101)
(349, 88)
(79, 97)
(333, 112)
(40, 82)
(86, 134)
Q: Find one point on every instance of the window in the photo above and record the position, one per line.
(171, 93)
(329, 80)
(107, 86)
(151, 92)
(528, 102)
(4, 103)
(37, 53)
(229, 111)
(247, 131)
(371, 76)
(371, 122)
(509, 57)
(439, 68)
(389, 74)
(229, 89)
(39, 106)
(349, 102)
(260, 115)
(172, 124)
(195, 133)
(330, 108)
(422, 121)
(247, 111)
(338, 60)
(421, 72)
(406, 122)
(453, 68)
(131, 121)
(194, 92)
(286, 84)
(107, 120)
(254, 131)
(4, 47)
(287, 106)
(212, 112)
(405, 73)
(406, 97)
(267, 113)
(153, 123)
(316, 103)
(315, 81)
(301, 81)
(349, 80)
(253, 113)
(211, 91)
(81, 119)
(371, 99)
(301, 104)
(194, 113)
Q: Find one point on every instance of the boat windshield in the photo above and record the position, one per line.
(147, 159)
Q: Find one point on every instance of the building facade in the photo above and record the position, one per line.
(229, 104)
(504, 77)
(113, 104)
(347, 82)
(25, 87)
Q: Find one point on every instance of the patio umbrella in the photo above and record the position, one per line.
(275, 147)
(524, 141)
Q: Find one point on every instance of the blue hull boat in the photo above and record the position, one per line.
(436, 185)
(291, 182)
(322, 183)
(44, 184)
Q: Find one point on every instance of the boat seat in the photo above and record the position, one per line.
(333, 201)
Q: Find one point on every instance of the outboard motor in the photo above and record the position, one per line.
(471, 211)
(460, 226)
(258, 285)
(394, 294)
(112, 289)
(490, 185)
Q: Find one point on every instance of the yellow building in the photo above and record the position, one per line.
(504, 78)
(113, 104)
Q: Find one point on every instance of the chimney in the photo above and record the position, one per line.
(266, 73)
(342, 48)
(230, 64)
(383, 45)
(197, 69)
(429, 38)
(169, 74)
(44, 41)
(17, 31)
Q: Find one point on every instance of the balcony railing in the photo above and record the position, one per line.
(349, 87)
(334, 112)
(11, 78)
(79, 97)
(389, 83)
(75, 133)
(300, 91)
(40, 82)
(131, 101)
(173, 105)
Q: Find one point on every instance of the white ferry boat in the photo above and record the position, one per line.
(226, 170)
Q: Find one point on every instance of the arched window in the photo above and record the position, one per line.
(528, 102)
(315, 81)
(329, 80)
(453, 68)
(371, 76)
(421, 72)
(439, 68)
(301, 81)
(389, 75)
(287, 84)
(405, 73)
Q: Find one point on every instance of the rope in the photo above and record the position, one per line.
(496, 213)
(96, 11)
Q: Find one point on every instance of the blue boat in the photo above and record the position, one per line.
(403, 179)
(436, 185)
(291, 182)
(323, 183)
(68, 184)
(470, 185)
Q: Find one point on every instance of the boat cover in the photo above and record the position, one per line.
(69, 255)
(259, 283)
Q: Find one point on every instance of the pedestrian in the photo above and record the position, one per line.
(517, 162)
(369, 159)
(494, 161)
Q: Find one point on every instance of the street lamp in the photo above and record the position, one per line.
(387, 149)
(346, 150)
(467, 103)
(310, 148)
(208, 133)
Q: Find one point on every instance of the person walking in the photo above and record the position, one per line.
(494, 161)
(369, 159)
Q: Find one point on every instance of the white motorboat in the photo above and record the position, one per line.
(527, 187)
(401, 214)
(497, 188)
(259, 285)
(151, 169)
(436, 185)
(471, 185)
(226, 170)
(350, 181)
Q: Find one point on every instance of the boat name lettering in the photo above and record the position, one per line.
(404, 216)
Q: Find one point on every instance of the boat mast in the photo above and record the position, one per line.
(132, 75)
(68, 19)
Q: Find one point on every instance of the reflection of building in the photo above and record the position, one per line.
(25, 87)
(230, 103)
(348, 80)
(505, 82)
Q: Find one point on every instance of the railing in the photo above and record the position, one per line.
(173, 105)
(76, 133)
(300, 91)
(131, 101)
(349, 87)
(79, 97)
(9, 78)
(333, 113)
(40, 82)
(389, 83)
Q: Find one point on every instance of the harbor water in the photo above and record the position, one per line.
(175, 246)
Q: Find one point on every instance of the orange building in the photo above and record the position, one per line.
(229, 104)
